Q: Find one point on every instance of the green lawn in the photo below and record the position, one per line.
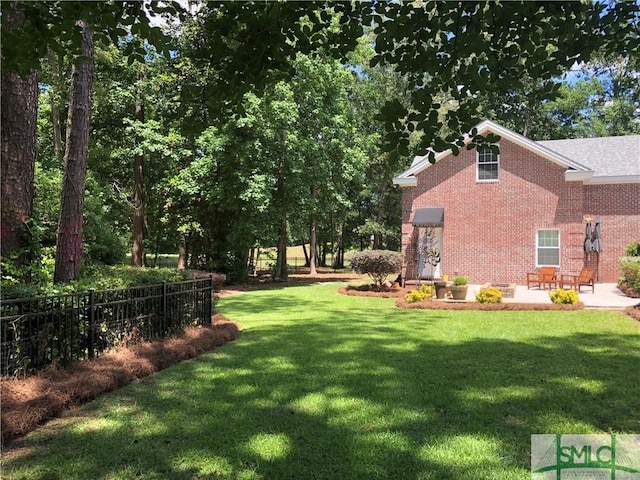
(324, 386)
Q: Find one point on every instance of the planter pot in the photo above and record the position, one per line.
(441, 289)
(458, 292)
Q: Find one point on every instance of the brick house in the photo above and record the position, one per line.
(495, 217)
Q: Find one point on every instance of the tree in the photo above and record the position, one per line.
(69, 239)
(378, 203)
(18, 112)
(600, 98)
(603, 98)
(39, 29)
(137, 250)
(135, 146)
(527, 110)
(331, 146)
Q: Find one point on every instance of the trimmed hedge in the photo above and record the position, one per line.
(378, 264)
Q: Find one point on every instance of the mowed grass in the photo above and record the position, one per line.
(324, 386)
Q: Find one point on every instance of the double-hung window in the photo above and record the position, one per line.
(487, 164)
(548, 248)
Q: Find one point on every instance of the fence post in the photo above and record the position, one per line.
(92, 323)
(209, 305)
(164, 306)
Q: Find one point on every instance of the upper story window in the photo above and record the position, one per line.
(487, 165)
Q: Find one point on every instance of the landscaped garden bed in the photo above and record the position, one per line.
(370, 290)
(28, 402)
(456, 305)
(633, 312)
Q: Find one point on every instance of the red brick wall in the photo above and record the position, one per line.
(490, 229)
(618, 208)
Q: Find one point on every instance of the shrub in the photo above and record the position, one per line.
(630, 269)
(425, 292)
(633, 250)
(378, 264)
(567, 297)
(459, 280)
(99, 278)
(489, 295)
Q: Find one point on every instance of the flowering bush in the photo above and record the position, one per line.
(568, 297)
(423, 293)
(489, 295)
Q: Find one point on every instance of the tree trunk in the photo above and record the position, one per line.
(55, 95)
(182, 254)
(338, 249)
(281, 273)
(527, 121)
(18, 111)
(313, 246)
(323, 256)
(137, 250)
(57, 130)
(69, 239)
(257, 264)
(377, 240)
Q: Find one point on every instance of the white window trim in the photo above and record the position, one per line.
(486, 180)
(538, 264)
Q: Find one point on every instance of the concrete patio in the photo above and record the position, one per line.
(606, 295)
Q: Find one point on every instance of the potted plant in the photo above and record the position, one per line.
(441, 289)
(459, 288)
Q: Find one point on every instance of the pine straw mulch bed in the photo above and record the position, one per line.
(633, 312)
(399, 293)
(372, 291)
(464, 305)
(628, 290)
(29, 402)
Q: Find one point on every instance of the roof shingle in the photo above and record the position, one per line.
(606, 156)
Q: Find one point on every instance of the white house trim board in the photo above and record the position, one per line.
(613, 180)
(578, 176)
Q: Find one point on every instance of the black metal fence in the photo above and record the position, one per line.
(63, 328)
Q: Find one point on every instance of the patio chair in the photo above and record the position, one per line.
(586, 277)
(546, 276)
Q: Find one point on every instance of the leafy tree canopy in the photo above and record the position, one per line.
(444, 49)
(51, 25)
(463, 48)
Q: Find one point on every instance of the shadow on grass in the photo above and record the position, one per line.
(362, 399)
